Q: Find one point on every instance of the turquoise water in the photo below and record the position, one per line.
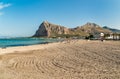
(11, 42)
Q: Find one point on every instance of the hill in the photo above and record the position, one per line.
(112, 29)
(47, 29)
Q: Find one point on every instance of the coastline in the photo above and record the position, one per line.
(18, 49)
(24, 48)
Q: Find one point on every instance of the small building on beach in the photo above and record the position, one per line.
(113, 36)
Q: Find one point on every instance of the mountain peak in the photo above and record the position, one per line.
(50, 30)
(91, 24)
(45, 22)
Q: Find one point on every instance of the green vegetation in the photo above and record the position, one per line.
(89, 37)
(66, 36)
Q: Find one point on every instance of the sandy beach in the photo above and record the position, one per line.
(76, 59)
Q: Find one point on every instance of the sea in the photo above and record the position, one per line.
(13, 42)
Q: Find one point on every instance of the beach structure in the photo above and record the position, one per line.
(102, 36)
(113, 36)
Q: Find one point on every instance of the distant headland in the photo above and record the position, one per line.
(50, 30)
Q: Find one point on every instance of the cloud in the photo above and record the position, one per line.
(2, 5)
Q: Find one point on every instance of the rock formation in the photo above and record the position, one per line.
(47, 29)
(50, 30)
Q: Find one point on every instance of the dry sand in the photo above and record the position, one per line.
(77, 59)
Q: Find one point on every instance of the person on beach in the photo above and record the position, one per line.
(102, 36)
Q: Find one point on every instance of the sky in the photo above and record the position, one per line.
(22, 17)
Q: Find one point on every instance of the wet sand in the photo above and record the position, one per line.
(76, 59)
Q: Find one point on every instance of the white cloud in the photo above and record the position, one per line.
(2, 5)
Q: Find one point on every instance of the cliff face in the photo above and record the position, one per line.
(50, 30)
(47, 29)
(42, 31)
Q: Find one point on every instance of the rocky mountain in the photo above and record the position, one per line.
(111, 29)
(47, 29)
(50, 30)
(93, 29)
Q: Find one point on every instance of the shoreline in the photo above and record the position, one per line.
(15, 42)
(24, 45)
(18, 49)
(7, 50)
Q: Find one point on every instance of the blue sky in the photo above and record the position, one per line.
(23, 17)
